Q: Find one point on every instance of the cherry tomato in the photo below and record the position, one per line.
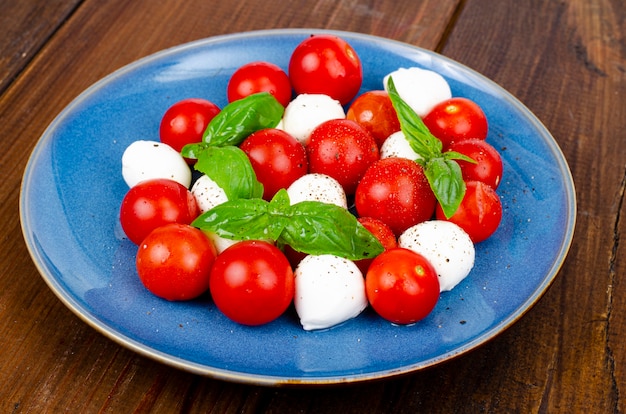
(252, 282)
(480, 211)
(326, 64)
(488, 167)
(343, 150)
(455, 119)
(278, 159)
(402, 286)
(384, 235)
(256, 77)
(396, 191)
(174, 262)
(185, 122)
(374, 111)
(153, 203)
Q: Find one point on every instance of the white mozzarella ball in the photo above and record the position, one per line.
(219, 242)
(144, 160)
(207, 193)
(317, 187)
(446, 246)
(329, 290)
(396, 145)
(421, 89)
(307, 111)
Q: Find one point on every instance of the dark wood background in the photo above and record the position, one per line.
(565, 59)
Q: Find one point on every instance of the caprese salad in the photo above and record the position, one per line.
(301, 192)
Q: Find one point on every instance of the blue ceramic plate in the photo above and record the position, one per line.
(73, 187)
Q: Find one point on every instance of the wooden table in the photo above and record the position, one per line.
(564, 59)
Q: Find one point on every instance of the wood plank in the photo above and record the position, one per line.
(50, 359)
(25, 26)
(565, 61)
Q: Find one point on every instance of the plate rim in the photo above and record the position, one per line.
(274, 380)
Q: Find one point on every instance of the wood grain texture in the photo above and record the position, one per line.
(564, 59)
(25, 27)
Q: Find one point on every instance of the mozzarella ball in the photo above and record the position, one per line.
(445, 245)
(329, 290)
(396, 145)
(421, 89)
(144, 160)
(207, 193)
(307, 111)
(317, 187)
(219, 242)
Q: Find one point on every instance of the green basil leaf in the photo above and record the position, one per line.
(446, 181)
(320, 228)
(230, 168)
(417, 134)
(242, 117)
(310, 227)
(280, 203)
(192, 151)
(242, 219)
(453, 155)
(442, 171)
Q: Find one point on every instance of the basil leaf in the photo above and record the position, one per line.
(319, 228)
(280, 202)
(242, 117)
(230, 168)
(416, 132)
(310, 227)
(192, 151)
(442, 171)
(236, 121)
(453, 155)
(242, 219)
(446, 181)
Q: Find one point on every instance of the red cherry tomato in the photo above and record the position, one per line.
(455, 119)
(480, 211)
(384, 235)
(174, 262)
(343, 150)
(252, 282)
(256, 77)
(153, 203)
(374, 111)
(402, 286)
(185, 122)
(326, 64)
(488, 167)
(395, 191)
(278, 159)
